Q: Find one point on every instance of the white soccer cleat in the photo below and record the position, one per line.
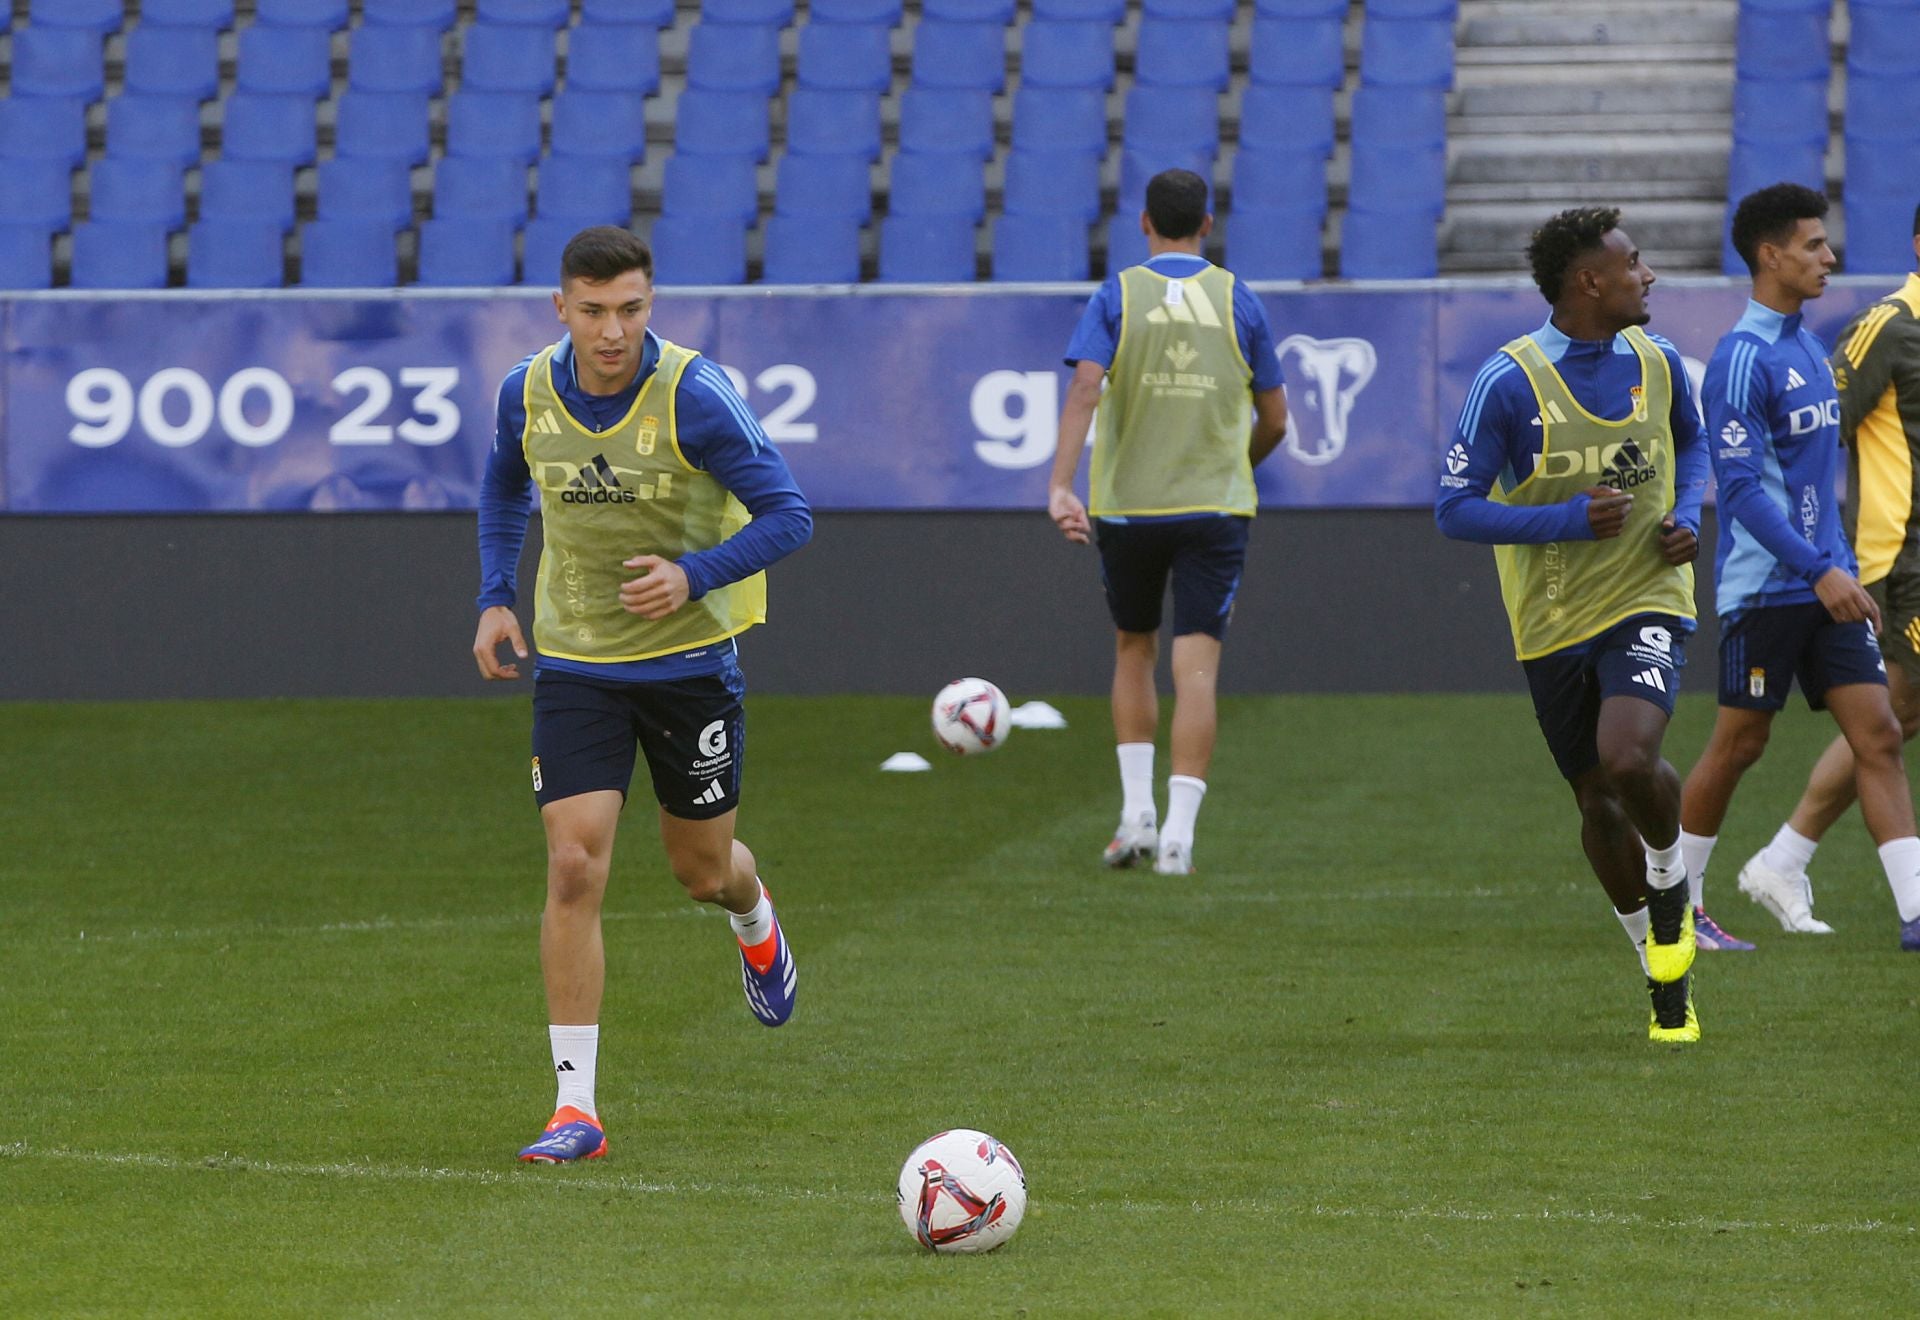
(1174, 859)
(1788, 897)
(1135, 841)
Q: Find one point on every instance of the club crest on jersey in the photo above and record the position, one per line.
(1638, 395)
(647, 436)
(1324, 378)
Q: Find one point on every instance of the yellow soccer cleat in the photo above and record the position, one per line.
(1674, 1021)
(1671, 957)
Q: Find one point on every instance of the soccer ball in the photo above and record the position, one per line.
(970, 716)
(962, 1191)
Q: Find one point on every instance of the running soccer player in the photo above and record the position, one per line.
(1578, 458)
(1787, 590)
(661, 504)
(1193, 402)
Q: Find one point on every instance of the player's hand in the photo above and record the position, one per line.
(1846, 600)
(497, 625)
(1677, 545)
(1068, 514)
(658, 590)
(1607, 511)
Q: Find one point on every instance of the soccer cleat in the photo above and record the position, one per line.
(1135, 841)
(1708, 935)
(572, 1134)
(769, 977)
(1788, 897)
(1673, 1022)
(1910, 935)
(1670, 942)
(1175, 859)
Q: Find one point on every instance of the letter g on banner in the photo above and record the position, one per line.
(1022, 440)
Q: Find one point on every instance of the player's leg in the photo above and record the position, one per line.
(1873, 732)
(1134, 561)
(1208, 560)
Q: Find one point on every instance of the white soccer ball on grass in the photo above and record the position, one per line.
(962, 1191)
(970, 716)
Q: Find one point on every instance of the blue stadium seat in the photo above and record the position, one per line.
(1412, 8)
(207, 15)
(327, 15)
(1279, 180)
(721, 123)
(550, 14)
(466, 253)
(947, 119)
(149, 127)
(1297, 52)
(501, 57)
(1389, 245)
(436, 14)
(236, 254)
(748, 13)
(100, 16)
(968, 11)
(1885, 39)
(1781, 45)
(1137, 168)
(726, 58)
(1180, 119)
(26, 257)
(110, 254)
(655, 14)
(369, 190)
(1780, 110)
(39, 193)
(1755, 165)
(1300, 8)
(1176, 52)
(1391, 177)
(1218, 11)
(960, 55)
(480, 189)
(1884, 167)
(382, 126)
(1287, 118)
(599, 124)
(1280, 243)
(586, 189)
(173, 61)
(811, 249)
(1039, 247)
(1053, 183)
(505, 125)
(1407, 52)
(1793, 6)
(1879, 232)
(1126, 245)
(140, 191)
(260, 126)
(348, 254)
(285, 59)
(1407, 116)
(51, 61)
(607, 57)
(394, 59)
(832, 123)
(258, 191)
(1060, 118)
(927, 249)
(845, 57)
(936, 184)
(1083, 11)
(542, 244)
(887, 13)
(694, 250)
(1057, 54)
(1877, 108)
(726, 186)
(819, 187)
(43, 128)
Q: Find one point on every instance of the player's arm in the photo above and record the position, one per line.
(1494, 438)
(1680, 530)
(1863, 364)
(1090, 352)
(1255, 334)
(1742, 445)
(506, 501)
(1269, 423)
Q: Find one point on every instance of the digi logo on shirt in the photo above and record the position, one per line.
(1813, 417)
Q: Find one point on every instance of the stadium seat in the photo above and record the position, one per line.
(1878, 108)
(725, 186)
(833, 123)
(1039, 248)
(1781, 45)
(502, 57)
(395, 59)
(1300, 8)
(1110, 12)
(1280, 243)
(56, 61)
(502, 125)
(811, 249)
(1879, 232)
(884, 12)
(601, 124)
(1126, 245)
(1403, 116)
(721, 124)
(948, 119)
(588, 190)
(436, 14)
(1780, 110)
(236, 254)
(695, 250)
(927, 249)
(1056, 54)
(1754, 165)
(1287, 118)
(845, 57)
(363, 189)
(348, 254)
(1391, 177)
(43, 128)
(1388, 245)
(256, 191)
(608, 57)
(26, 257)
(206, 15)
(1412, 8)
(119, 255)
(1297, 52)
(1137, 168)
(295, 60)
(1279, 180)
(1053, 183)
(1059, 118)
(474, 189)
(173, 61)
(542, 243)
(655, 14)
(728, 58)
(149, 127)
(1218, 11)
(1885, 40)
(260, 126)
(550, 14)
(138, 191)
(39, 193)
(326, 15)
(101, 16)
(1407, 52)
(824, 186)
(748, 13)
(1884, 167)
(969, 11)
(936, 184)
(466, 253)
(1172, 119)
(382, 126)
(1174, 52)
(960, 55)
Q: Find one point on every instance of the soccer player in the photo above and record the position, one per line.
(1876, 371)
(1578, 458)
(661, 504)
(1193, 402)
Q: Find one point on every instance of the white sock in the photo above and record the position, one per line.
(1663, 867)
(1789, 852)
(1902, 860)
(575, 1052)
(1136, 781)
(754, 927)
(1636, 924)
(1183, 808)
(1695, 849)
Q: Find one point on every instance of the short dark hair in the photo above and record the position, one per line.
(1557, 244)
(605, 252)
(1769, 215)
(1177, 203)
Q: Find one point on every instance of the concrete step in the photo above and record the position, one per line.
(1555, 194)
(1592, 157)
(1662, 261)
(1654, 226)
(1572, 56)
(1704, 122)
(1684, 88)
(1574, 23)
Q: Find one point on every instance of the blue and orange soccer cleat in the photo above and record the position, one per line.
(1710, 937)
(571, 1135)
(769, 977)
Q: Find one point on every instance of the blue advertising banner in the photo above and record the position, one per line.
(878, 399)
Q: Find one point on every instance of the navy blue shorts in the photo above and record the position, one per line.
(693, 731)
(1637, 657)
(1204, 556)
(1762, 650)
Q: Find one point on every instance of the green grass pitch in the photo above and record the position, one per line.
(274, 1031)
